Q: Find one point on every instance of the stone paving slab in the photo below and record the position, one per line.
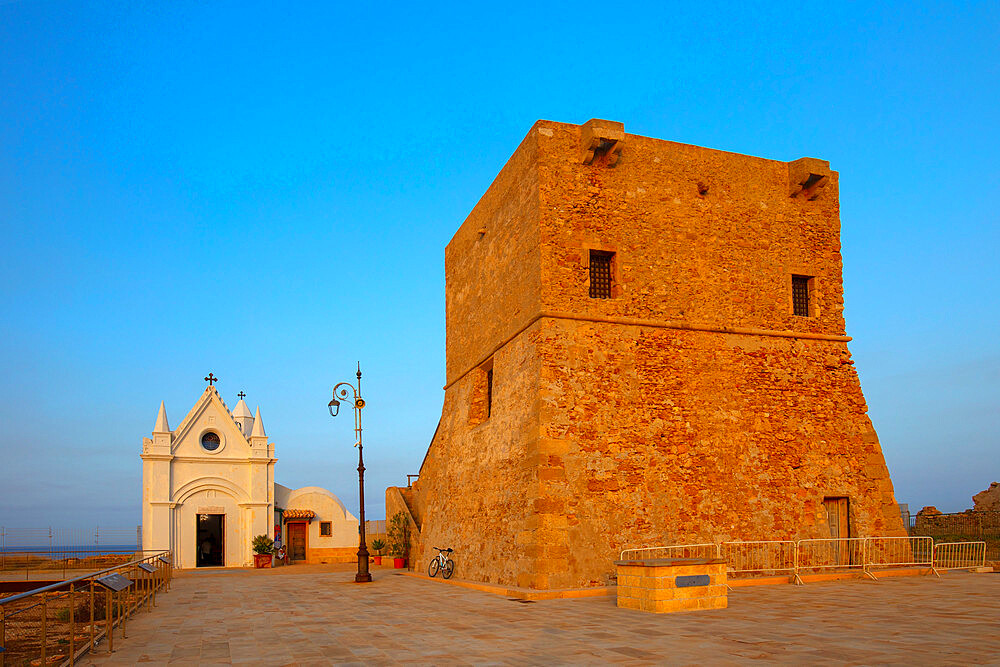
(323, 618)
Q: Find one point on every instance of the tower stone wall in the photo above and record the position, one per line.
(691, 405)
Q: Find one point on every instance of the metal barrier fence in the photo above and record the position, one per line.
(970, 523)
(58, 623)
(959, 555)
(766, 557)
(675, 551)
(375, 530)
(799, 557)
(47, 538)
(899, 551)
(829, 553)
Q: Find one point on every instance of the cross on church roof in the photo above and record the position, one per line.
(241, 395)
(211, 379)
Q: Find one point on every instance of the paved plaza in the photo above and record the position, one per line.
(317, 615)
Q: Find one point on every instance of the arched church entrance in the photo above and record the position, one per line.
(210, 531)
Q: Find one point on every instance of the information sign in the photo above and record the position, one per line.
(114, 582)
(686, 581)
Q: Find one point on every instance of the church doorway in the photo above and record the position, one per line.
(211, 540)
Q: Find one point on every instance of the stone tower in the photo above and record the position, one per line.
(645, 345)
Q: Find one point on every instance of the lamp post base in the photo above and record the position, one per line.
(363, 576)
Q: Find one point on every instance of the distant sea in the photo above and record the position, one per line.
(83, 548)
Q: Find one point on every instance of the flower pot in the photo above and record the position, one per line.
(377, 559)
(261, 560)
(399, 562)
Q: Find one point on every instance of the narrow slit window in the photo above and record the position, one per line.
(800, 295)
(489, 392)
(600, 274)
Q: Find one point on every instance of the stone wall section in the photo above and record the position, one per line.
(478, 479)
(987, 500)
(721, 259)
(492, 271)
(681, 437)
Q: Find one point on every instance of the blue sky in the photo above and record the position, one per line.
(265, 191)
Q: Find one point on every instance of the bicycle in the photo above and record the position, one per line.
(443, 563)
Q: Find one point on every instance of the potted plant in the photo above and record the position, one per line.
(263, 548)
(378, 545)
(399, 539)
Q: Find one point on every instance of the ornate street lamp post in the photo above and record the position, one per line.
(342, 388)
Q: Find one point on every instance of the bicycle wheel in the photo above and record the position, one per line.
(432, 569)
(449, 569)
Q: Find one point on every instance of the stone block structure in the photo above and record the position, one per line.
(645, 345)
(667, 585)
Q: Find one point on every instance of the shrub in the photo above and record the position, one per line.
(399, 535)
(262, 544)
(378, 545)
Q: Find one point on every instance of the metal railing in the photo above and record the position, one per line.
(59, 562)
(959, 555)
(867, 555)
(58, 623)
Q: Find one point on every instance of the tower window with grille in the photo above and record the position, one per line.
(600, 274)
(800, 295)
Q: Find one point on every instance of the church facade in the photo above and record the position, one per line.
(208, 488)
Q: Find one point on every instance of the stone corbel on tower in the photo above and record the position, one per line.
(599, 138)
(807, 176)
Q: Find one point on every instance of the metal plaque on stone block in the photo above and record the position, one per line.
(114, 582)
(689, 580)
(147, 567)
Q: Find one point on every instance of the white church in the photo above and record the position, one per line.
(208, 488)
